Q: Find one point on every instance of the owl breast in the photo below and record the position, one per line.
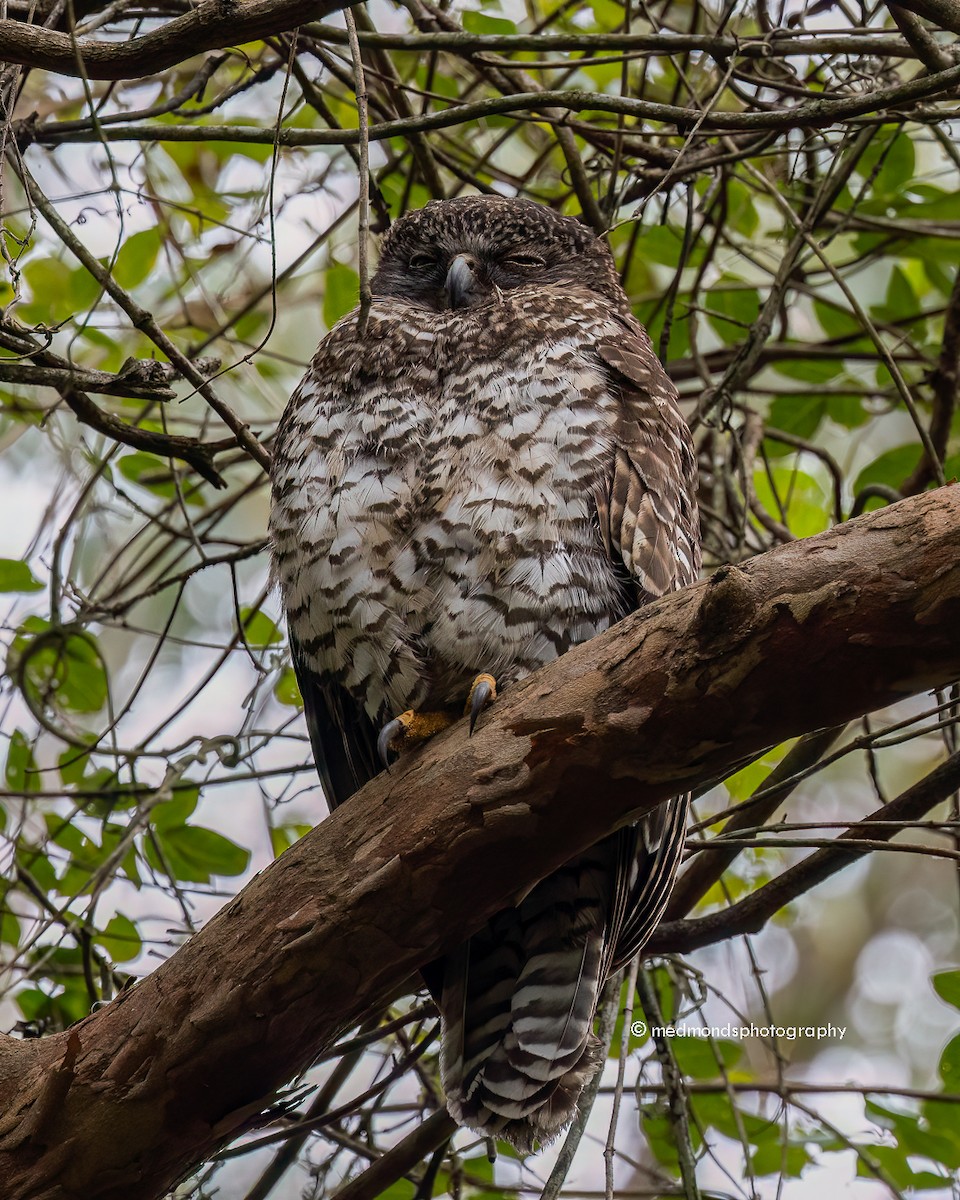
(442, 521)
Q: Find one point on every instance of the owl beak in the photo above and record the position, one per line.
(462, 288)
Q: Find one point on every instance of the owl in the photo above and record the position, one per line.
(485, 469)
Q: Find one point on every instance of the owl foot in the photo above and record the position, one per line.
(483, 691)
(409, 730)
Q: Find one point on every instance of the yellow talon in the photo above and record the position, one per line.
(408, 731)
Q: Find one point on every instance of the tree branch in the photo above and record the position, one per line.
(212, 25)
(808, 635)
(752, 913)
(817, 114)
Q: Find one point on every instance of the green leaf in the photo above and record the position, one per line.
(847, 411)
(901, 299)
(732, 308)
(286, 689)
(741, 210)
(803, 497)
(940, 1120)
(802, 414)
(890, 468)
(9, 929)
(148, 471)
(120, 939)
(16, 576)
(33, 1003)
(898, 167)
(71, 1004)
(401, 1190)
(836, 321)
(915, 1139)
(73, 763)
(890, 1159)
(258, 629)
(112, 835)
(21, 772)
(54, 299)
(947, 986)
(282, 837)
(774, 1158)
(663, 243)
(799, 414)
(174, 812)
(810, 370)
(59, 665)
(136, 257)
(33, 859)
(609, 15)
(659, 1136)
(341, 288)
(475, 22)
(194, 854)
(949, 1065)
(699, 1059)
(743, 783)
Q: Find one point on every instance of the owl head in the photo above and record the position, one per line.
(464, 252)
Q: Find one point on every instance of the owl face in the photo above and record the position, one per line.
(467, 252)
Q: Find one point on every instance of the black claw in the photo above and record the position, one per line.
(481, 697)
(387, 734)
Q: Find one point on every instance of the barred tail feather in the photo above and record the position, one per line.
(518, 1004)
(519, 999)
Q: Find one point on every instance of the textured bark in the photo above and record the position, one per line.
(807, 636)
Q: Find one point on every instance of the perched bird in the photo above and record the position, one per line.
(487, 470)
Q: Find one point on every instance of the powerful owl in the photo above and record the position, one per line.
(488, 468)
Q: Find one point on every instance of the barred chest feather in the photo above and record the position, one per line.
(434, 511)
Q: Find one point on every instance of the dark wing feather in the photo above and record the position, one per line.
(648, 513)
(343, 737)
(650, 526)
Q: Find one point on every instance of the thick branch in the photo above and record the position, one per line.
(212, 25)
(809, 635)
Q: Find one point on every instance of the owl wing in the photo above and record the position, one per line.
(647, 511)
(343, 738)
(649, 525)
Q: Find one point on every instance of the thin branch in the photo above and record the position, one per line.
(609, 1010)
(674, 1087)
(752, 913)
(812, 114)
(926, 47)
(401, 1159)
(700, 876)
(139, 317)
(363, 204)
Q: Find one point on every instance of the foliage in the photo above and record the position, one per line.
(783, 210)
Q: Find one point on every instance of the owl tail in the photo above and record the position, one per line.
(518, 1004)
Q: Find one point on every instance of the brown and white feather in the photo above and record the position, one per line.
(477, 489)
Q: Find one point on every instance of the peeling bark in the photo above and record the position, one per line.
(807, 636)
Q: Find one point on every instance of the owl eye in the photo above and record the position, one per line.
(524, 260)
(423, 261)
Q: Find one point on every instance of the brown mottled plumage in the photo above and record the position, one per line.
(495, 469)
